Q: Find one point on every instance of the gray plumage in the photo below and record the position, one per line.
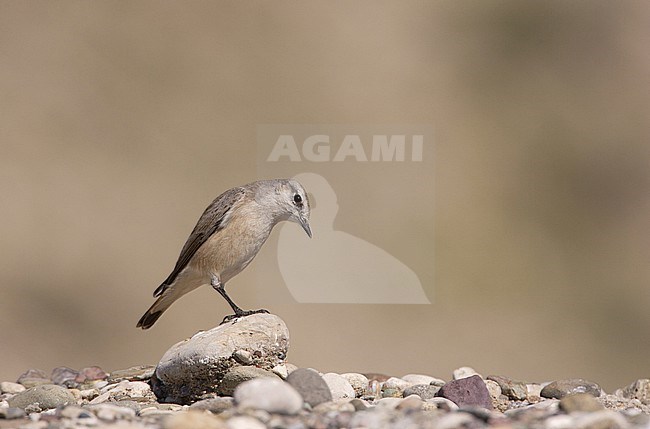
(226, 238)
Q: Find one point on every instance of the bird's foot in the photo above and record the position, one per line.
(242, 313)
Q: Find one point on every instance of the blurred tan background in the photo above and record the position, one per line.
(120, 121)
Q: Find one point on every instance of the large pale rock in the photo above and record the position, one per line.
(197, 365)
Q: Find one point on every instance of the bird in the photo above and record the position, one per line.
(226, 238)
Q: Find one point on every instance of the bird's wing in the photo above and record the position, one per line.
(210, 222)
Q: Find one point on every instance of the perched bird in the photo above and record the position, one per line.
(228, 235)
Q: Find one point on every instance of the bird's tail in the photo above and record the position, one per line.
(156, 310)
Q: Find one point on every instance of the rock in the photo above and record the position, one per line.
(414, 379)
(604, 419)
(410, 403)
(396, 383)
(493, 388)
(126, 390)
(337, 407)
(468, 391)
(34, 377)
(244, 357)
(513, 389)
(464, 372)
(245, 422)
(135, 373)
(91, 373)
(46, 396)
(424, 391)
(76, 412)
(580, 402)
(111, 412)
(359, 383)
(214, 405)
(640, 390)
(11, 388)
(281, 371)
(311, 386)
(194, 420)
(339, 386)
(64, 376)
(268, 394)
(559, 389)
(439, 403)
(10, 413)
(533, 391)
(239, 374)
(197, 365)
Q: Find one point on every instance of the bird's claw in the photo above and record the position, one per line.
(242, 313)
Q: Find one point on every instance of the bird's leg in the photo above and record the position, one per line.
(220, 287)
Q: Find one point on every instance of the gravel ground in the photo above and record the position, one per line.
(236, 376)
(304, 398)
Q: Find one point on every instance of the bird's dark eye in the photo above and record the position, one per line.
(297, 199)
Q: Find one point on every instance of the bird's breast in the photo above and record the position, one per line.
(229, 250)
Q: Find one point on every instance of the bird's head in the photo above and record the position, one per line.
(294, 202)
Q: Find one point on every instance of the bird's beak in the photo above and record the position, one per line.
(305, 225)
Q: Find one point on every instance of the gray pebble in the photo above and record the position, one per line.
(135, 373)
(11, 388)
(10, 413)
(239, 374)
(640, 390)
(243, 356)
(339, 386)
(464, 372)
(310, 385)
(513, 389)
(580, 402)
(561, 388)
(414, 379)
(214, 405)
(424, 391)
(269, 394)
(46, 396)
(359, 382)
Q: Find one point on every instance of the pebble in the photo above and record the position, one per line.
(214, 405)
(111, 412)
(561, 388)
(33, 377)
(11, 388)
(244, 422)
(281, 371)
(239, 374)
(268, 394)
(339, 386)
(135, 373)
(464, 372)
(46, 396)
(424, 391)
(194, 420)
(64, 376)
(190, 368)
(439, 403)
(513, 389)
(311, 386)
(10, 413)
(580, 402)
(244, 357)
(468, 391)
(640, 390)
(359, 382)
(413, 379)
